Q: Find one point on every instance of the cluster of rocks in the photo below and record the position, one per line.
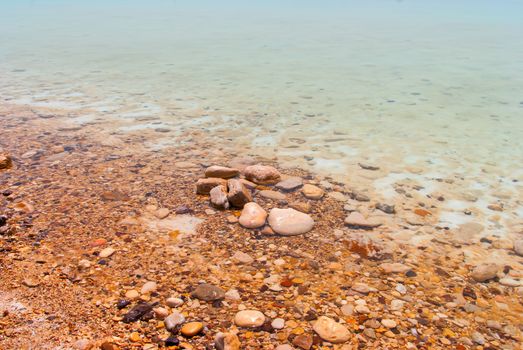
(230, 188)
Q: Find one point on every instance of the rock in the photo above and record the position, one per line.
(149, 287)
(518, 247)
(278, 323)
(137, 312)
(191, 329)
(204, 186)
(160, 312)
(132, 294)
(357, 220)
(238, 195)
(174, 302)
(367, 166)
(484, 272)
(107, 345)
(162, 213)
(227, 341)
(241, 162)
(478, 338)
(303, 341)
(290, 184)
(347, 310)
(312, 192)
(331, 331)
(394, 268)
(388, 323)
(290, 222)
(340, 197)
(185, 165)
(396, 304)
(249, 319)
(208, 292)
(274, 195)
(361, 288)
(249, 185)
(232, 294)
(218, 197)
(252, 216)
(221, 172)
(242, 258)
(107, 252)
(5, 161)
(82, 344)
(173, 320)
(304, 207)
(262, 174)
(386, 208)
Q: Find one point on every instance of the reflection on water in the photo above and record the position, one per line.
(432, 87)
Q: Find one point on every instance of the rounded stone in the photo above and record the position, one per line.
(149, 287)
(249, 318)
(485, 272)
(132, 294)
(331, 331)
(191, 329)
(253, 216)
(290, 222)
(518, 247)
(221, 172)
(312, 192)
(262, 174)
(107, 252)
(174, 302)
(278, 323)
(173, 320)
(389, 323)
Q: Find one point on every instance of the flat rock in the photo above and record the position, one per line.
(242, 258)
(357, 220)
(221, 172)
(484, 272)
(340, 197)
(290, 222)
(249, 318)
(274, 195)
(218, 197)
(162, 213)
(238, 194)
(208, 292)
(107, 252)
(290, 184)
(312, 192)
(253, 216)
(368, 166)
(303, 341)
(262, 174)
(394, 268)
(204, 186)
(331, 331)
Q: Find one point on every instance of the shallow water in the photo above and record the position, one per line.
(434, 86)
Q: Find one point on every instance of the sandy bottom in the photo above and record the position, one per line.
(81, 185)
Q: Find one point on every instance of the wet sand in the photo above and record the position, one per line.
(84, 235)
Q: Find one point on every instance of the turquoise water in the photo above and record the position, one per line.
(436, 85)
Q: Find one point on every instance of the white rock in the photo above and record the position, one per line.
(278, 323)
(331, 331)
(107, 252)
(485, 272)
(388, 323)
(173, 320)
(249, 319)
(149, 287)
(290, 222)
(174, 302)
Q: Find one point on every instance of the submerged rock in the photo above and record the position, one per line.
(274, 195)
(312, 192)
(204, 186)
(357, 220)
(221, 172)
(238, 195)
(208, 292)
(253, 216)
(290, 184)
(331, 331)
(485, 272)
(290, 222)
(262, 174)
(219, 197)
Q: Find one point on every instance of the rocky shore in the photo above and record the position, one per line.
(109, 246)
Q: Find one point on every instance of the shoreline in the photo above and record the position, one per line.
(82, 193)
